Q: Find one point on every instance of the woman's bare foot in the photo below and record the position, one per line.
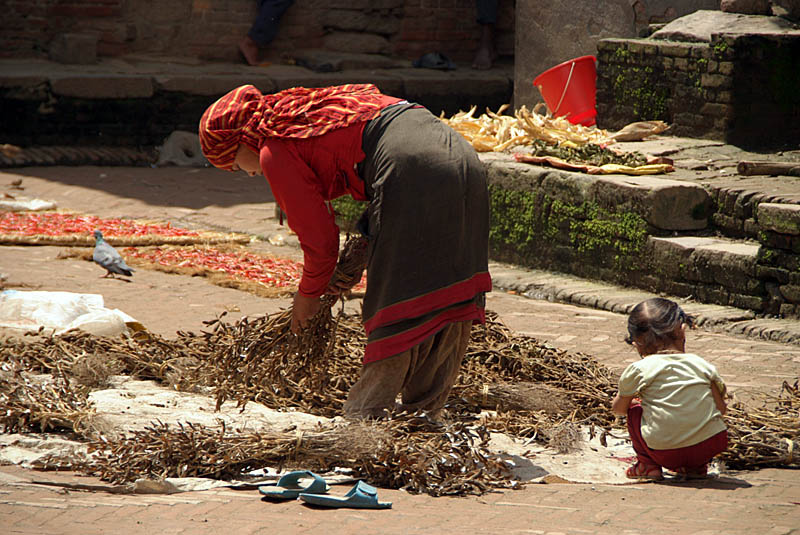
(483, 59)
(249, 50)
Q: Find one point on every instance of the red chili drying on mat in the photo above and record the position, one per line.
(277, 272)
(56, 224)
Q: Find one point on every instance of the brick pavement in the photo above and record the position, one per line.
(763, 501)
(766, 501)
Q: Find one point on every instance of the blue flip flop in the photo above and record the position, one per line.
(288, 487)
(361, 496)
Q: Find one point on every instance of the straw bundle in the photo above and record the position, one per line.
(408, 452)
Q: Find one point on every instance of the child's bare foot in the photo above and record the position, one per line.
(249, 50)
(693, 473)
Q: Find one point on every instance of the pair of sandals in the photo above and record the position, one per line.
(289, 487)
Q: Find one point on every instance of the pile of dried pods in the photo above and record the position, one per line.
(509, 383)
(407, 451)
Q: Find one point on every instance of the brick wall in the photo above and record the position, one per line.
(735, 88)
(449, 26)
(210, 29)
(28, 26)
(685, 84)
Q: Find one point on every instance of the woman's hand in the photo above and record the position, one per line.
(340, 287)
(303, 309)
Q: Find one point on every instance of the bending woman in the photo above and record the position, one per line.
(427, 222)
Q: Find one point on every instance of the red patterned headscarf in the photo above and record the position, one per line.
(244, 115)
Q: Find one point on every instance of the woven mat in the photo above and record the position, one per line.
(74, 229)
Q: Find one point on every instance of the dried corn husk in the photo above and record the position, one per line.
(496, 132)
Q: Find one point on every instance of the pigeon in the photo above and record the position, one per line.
(107, 257)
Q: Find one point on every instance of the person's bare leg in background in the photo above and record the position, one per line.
(487, 18)
(264, 28)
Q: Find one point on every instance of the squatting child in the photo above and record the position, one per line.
(677, 424)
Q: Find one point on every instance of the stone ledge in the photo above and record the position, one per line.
(664, 203)
(410, 83)
(703, 25)
(150, 90)
(210, 85)
(783, 218)
(717, 261)
(103, 86)
(538, 284)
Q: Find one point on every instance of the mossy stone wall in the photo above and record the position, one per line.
(551, 220)
(741, 89)
(534, 229)
(687, 85)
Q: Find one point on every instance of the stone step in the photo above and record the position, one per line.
(67, 155)
(538, 284)
(779, 217)
(650, 232)
(712, 269)
(136, 103)
(665, 204)
(564, 288)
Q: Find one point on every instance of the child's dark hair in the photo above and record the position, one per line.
(654, 321)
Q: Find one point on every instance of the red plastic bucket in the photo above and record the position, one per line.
(569, 89)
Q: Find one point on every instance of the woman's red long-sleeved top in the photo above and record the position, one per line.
(306, 173)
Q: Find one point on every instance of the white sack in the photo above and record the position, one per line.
(59, 312)
(25, 204)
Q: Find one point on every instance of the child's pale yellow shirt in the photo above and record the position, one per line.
(678, 408)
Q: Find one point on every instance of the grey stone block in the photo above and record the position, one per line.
(790, 292)
(680, 289)
(709, 293)
(772, 273)
(702, 25)
(74, 48)
(782, 218)
(749, 302)
(676, 50)
(665, 204)
(709, 260)
(716, 81)
(669, 258)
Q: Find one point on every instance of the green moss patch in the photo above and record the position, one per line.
(531, 225)
(347, 211)
(642, 90)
